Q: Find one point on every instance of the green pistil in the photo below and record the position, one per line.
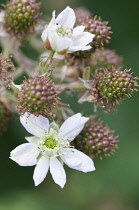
(64, 31)
(60, 30)
(50, 143)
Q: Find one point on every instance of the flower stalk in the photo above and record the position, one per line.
(86, 73)
(45, 65)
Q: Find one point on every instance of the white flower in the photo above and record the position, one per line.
(60, 36)
(50, 148)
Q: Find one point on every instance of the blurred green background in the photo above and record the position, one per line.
(115, 183)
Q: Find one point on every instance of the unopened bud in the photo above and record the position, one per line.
(21, 16)
(37, 96)
(111, 86)
(96, 139)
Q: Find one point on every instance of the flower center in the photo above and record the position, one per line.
(50, 143)
(64, 31)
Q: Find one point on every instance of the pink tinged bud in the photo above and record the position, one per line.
(35, 94)
(21, 17)
(96, 139)
(109, 88)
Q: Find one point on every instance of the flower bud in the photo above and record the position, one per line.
(37, 96)
(105, 58)
(21, 16)
(111, 87)
(96, 139)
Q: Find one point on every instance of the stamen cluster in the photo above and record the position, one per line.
(51, 144)
(64, 31)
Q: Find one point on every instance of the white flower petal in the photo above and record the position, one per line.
(78, 31)
(59, 43)
(17, 86)
(72, 126)
(44, 34)
(84, 97)
(58, 172)
(48, 27)
(33, 139)
(25, 154)
(42, 122)
(78, 48)
(41, 170)
(70, 158)
(78, 129)
(34, 125)
(59, 57)
(72, 135)
(52, 22)
(87, 83)
(66, 18)
(85, 39)
(77, 160)
(81, 42)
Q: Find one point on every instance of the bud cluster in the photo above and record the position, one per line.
(96, 139)
(21, 16)
(88, 66)
(37, 96)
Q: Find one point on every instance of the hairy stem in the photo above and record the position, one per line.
(45, 65)
(74, 86)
